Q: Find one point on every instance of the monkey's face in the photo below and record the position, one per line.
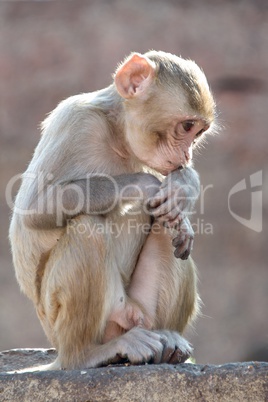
(167, 106)
(162, 129)
(165, 147)
(174, 147)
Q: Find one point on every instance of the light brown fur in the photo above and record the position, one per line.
(104, 295)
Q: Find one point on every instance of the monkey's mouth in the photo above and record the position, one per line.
(162, 172)
(167, 172)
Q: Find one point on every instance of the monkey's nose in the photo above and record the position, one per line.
(188, 154)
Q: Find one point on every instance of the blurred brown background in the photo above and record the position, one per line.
(51, 50)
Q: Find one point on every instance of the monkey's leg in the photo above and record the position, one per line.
(166, 289)
(80, 288)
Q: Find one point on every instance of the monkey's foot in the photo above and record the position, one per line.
(140, 346)
(137, 346)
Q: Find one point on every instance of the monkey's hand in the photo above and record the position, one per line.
(176, 196)
(173, 204)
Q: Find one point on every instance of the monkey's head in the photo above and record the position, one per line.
(168, 107)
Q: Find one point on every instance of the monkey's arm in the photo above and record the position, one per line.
(97, 194)
(174, 204)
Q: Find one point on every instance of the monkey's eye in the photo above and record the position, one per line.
(198, 135)
(187, 125)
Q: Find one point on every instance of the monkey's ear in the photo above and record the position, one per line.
(134, 76)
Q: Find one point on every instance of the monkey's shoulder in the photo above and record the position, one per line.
(72, 107)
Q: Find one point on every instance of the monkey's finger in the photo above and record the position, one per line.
(167, 354)
(156, 350)
(185, 256)
(160, 212)
(175, 215)
(158, 199)
(157, 358)
(178, 241)
(173, 218)
(118, 359)
(182, 249)
(188, 251)
(174, 223)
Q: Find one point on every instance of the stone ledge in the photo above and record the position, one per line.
(185, 382)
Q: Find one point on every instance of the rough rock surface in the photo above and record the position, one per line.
(186, 382)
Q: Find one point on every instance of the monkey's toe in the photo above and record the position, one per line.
(178, 356)
(176, 349)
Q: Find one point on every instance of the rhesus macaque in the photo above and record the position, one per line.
(100, 233)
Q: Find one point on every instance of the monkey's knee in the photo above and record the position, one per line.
(73, 306)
